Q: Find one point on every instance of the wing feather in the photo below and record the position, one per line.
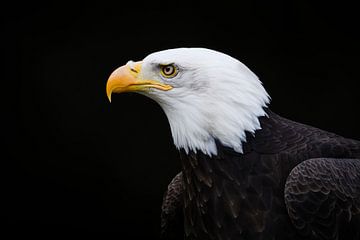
(322, 197)
(172, 225)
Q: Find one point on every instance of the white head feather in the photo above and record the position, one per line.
(214, 97)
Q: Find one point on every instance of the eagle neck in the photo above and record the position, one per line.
(217, 195)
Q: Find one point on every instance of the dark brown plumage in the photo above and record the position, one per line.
(293, 181)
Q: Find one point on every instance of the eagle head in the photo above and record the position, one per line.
(207, 96)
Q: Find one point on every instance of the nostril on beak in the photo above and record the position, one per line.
(131, 65)
(134, 67)
(133, 70)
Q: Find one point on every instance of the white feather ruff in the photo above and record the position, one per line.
(214, 97)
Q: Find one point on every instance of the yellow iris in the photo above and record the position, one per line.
(168, 70)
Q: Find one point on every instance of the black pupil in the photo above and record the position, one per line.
(168, 70)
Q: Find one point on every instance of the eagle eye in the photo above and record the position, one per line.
(168, 70)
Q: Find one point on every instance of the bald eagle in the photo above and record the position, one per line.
(247, 173)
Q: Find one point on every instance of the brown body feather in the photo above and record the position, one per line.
(270, 191)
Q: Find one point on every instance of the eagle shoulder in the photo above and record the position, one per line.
(279, 135)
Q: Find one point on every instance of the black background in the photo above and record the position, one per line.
(74, 163)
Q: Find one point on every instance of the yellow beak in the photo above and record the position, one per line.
(126, 79)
